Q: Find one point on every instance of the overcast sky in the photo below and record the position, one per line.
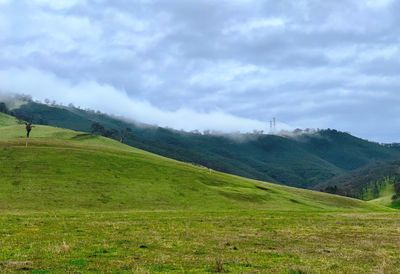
(200, 64)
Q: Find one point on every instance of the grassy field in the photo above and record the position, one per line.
(200, 242)
(72, 202)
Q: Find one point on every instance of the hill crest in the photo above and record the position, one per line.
(67, 170)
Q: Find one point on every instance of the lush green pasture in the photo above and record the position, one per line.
(63, 170)
(6, 120)
(188, 242)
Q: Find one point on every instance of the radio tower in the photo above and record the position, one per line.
(274, 122)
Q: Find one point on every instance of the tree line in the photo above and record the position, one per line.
(396, 196)
(4, 108)
(121, 135)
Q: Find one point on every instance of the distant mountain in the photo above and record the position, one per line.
(301, 161)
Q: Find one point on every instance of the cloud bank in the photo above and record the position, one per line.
(90, 94)
(226, 65)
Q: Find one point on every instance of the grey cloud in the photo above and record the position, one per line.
(310, 63)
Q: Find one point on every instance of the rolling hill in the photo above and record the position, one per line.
(6, 120)
(71, 202)
(65, 169)
(300, 161)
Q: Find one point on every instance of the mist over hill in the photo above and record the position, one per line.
(303, 159)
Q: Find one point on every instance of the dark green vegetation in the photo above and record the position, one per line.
(380, 181)
(301, 161)
(77, 203)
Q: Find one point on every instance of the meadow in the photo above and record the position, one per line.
(200, 242)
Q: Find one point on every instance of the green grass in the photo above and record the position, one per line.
(68, 170)
(71, 202)
(192, 242)
(382, 193)
(385, 189)
(385, 195)
(6, 120)
(303, 161)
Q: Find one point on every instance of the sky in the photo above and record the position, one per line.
(229, 65)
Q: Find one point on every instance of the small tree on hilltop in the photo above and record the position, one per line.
(124, 133)
(111, 133)
(3, 108)
(396, 190)
(97, 128)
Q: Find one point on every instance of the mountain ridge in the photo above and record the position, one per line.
(301, 161)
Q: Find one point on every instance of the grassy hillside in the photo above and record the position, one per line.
(64, 169)
(302, 162)
(6, 120)
(385, 197)
(75, 203)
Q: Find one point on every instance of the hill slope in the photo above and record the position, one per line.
(75, 203)
(374, 182)
(6, 120)
(302, 162)
(67, 170)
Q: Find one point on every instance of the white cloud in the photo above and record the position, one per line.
(90, 94)
(254, 24)
(379, 3)
(220, 73)
(58, 4)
